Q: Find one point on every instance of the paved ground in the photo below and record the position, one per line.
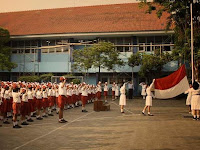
(171, 127)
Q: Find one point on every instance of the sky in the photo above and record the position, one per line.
(21, 5)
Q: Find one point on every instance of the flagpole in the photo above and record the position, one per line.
(192, 41)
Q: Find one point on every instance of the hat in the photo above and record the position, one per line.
(62, 78)
(29, 86)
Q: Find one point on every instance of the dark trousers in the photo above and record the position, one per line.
(130, 93)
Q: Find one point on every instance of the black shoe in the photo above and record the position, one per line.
(122, 112)
(62, 121)
(17, 126)
(50, 115)
(45, 116)
(194, 118)
(24, 123)
(143, 113)
(39, 118)
(9, 117)
(6, 122)
(33, 115)
(30, 120)
(84, 111)
(150, 114)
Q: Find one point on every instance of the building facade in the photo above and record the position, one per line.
(43, 41)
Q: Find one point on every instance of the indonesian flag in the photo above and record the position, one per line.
(172, 85)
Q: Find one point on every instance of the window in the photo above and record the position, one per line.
(27, 50)
(58, 50)
(14, 43)
(52, 50)
(14, 51)
(45, 50)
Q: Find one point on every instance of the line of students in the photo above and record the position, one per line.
(39, 100)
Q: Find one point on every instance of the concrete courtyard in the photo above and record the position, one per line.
(171, 127)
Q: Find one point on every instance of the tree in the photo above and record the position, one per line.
(179, 20)
(46, 77)
(151, 65)
(134, 60)
(100, 55)
(5, 51)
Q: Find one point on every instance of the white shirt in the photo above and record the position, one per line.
(30, 94)
(50, 93)
(7, 94)
(25, 97)
(39, 94)
(130, 86)
(16, 97)
(44, 94)
(106, 88)
(62, 90)
(99, 88)
(84, 92)
(113, 88)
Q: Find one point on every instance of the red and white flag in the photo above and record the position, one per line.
(172, 85)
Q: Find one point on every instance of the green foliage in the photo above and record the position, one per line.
(135, 59)
(101, 55)
(46, 77)
(29, 78)
(179, 20)
(5, 51)
(76, 81)
(151, 64)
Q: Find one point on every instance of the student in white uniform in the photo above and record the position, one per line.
(195, 101)
(24, 106)
(16, 105)
(116, 91)
(149, 99)
(38, 101)
(106, 91)
(122, 100)
(61, 99)
(189, 97)
(113, 91)
(84, 97)
(6, 102)
(143, 91)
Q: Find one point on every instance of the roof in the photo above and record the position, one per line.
(88, 19)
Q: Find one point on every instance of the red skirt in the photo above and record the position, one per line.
(105, 93)
(25, 108)
(51, 101)
(84, 99)
(56, 100)
(99, 95)
(113, 93)
(16, 108)
(45, 103)
(6, 106)
(39, 103)
(61, 101)
(73, 98)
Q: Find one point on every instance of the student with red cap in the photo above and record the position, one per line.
(61, 99)
(16, 104)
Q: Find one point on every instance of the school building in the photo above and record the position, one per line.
(43, 41)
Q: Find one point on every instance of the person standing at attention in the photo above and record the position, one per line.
(106, 91)
(122, 100)
(130, 90)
